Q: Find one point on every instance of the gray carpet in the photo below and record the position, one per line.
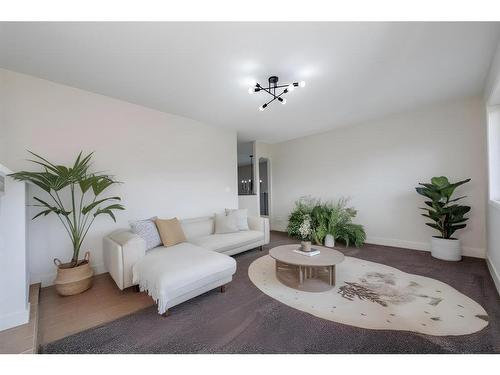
(244, 320)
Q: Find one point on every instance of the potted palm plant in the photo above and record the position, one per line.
(446, 215)
(77, 214)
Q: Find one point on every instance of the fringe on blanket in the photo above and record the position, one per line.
(152, 291)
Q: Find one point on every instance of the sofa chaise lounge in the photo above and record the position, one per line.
(174, 274)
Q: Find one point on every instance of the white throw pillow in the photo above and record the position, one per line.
(242, 215)
(226, 223)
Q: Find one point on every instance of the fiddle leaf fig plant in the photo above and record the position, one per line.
(80, 208)
(446, 215)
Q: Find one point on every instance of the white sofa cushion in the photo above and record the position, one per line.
(242, 217)
(227, 241)
(226, 223)
(199, 226)
(169, 272)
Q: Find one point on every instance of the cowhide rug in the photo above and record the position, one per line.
(375, 296)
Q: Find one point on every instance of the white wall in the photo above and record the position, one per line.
(492, 97)
(3, 127)
(169, 165)
(493, 153)
(492, 84)
(14, 307)
(251, 203)
(493, 250)
(378, 164)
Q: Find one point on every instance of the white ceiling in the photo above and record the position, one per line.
(354, 71)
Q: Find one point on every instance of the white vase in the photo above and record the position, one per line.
(446, 249)
(329, 241)
(306, 246)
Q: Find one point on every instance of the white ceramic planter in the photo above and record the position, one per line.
(329, 241)
(446, 249)
(306, 246)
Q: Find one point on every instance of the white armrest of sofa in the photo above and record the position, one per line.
(121, 250)
(260, 224)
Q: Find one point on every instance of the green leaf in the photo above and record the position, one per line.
(101, 183)
(454, 228)
(456, 221)
(44, 213)
(90, 207)
(108, 210)
(428, 186)
(433, 195)
(457, 184)
(57, 210)
(115, 207)
(104, 211)
(456, 199)
(440, 182)
(432, 216)
(448, 191)
(86, 183)
(37, 179)
(456, 210)
(81, 166)
(44, 162)
(435, 226)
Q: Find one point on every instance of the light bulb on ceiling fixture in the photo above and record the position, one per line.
(302, 83)
(262, 107)
(291, 87)
(251, 90)
(283, 101)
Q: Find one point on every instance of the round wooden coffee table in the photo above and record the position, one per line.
(310, 274)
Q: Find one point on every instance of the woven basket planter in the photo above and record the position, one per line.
(73, 280)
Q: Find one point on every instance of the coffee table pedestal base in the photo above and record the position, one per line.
(306, 278)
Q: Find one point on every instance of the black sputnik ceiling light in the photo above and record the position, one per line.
(274, 89)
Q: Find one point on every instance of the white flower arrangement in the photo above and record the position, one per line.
(305, 229)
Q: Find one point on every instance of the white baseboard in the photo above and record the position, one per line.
(48, 279)
(15, 319)
(495, 275)
(413, 245)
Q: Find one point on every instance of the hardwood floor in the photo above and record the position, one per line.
(23, 339)
(104, 302)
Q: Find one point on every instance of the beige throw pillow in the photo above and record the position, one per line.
(226, 223)
(170, 230)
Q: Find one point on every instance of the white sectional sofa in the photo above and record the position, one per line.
(172, 275)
